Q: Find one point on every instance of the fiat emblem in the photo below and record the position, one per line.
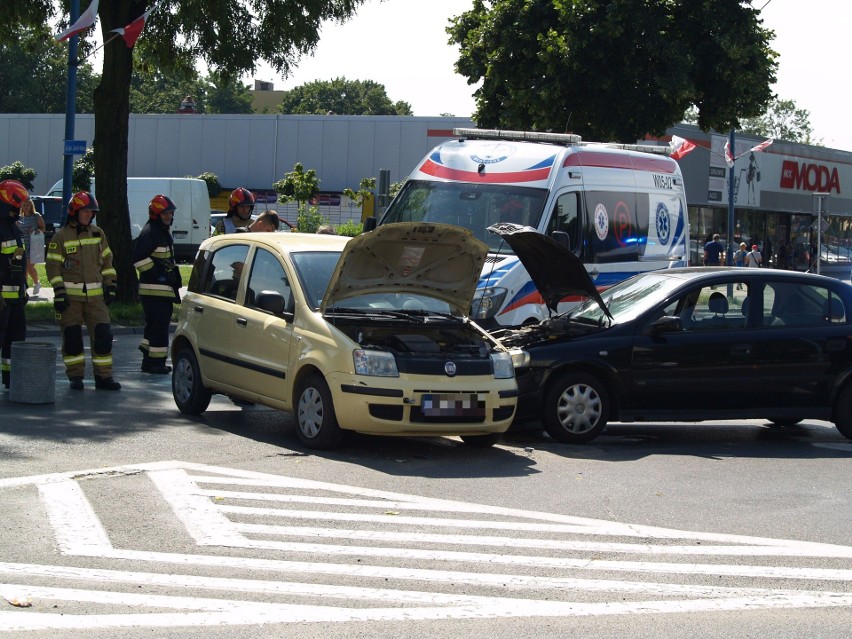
(450, 368)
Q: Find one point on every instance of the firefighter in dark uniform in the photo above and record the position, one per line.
(159, 282)
(13, 274)
(79, 267)
(240, 207)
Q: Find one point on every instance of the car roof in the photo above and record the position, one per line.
(289, 242)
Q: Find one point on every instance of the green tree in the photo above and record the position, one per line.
(212, 180)
(33, 74)
(17, 171)
(226, 94)
(83, 172)
(229, 35)
(342, 97)
(782, 121)
(614, 69)
(152, 91)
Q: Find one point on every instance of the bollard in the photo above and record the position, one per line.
(33, 374)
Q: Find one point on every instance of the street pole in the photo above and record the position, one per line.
(70, 108)
(730, 258)
(820, 198)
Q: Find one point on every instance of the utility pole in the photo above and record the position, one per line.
(70, 109)
(730, 252)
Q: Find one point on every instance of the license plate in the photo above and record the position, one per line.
(452, 405)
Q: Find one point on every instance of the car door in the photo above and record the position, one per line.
(704, 366)
(262, 337)
(803, 342)
(211, 311)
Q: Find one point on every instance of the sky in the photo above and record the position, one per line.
(402, 44)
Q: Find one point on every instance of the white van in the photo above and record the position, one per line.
(620, 208)
(191, 224)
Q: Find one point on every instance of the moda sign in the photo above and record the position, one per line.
(809, 177)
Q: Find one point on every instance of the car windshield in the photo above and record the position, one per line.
(314, 269)
(473, 206)
(628, 299)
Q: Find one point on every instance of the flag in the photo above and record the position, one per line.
(759, 147)
(680, 147)
(131, 32)
(729, 157)
(86, 20)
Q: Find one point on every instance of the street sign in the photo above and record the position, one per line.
(75, 147)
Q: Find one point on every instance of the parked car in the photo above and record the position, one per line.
(369, 334)
(687, 344)
(50, 208)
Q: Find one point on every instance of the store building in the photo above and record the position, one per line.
(780, 194)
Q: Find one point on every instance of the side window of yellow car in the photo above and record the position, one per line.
(225, 270)
(268, 276)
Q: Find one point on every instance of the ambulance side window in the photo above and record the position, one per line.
(566, 219)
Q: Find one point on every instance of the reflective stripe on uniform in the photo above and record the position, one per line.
(102, 360)
(156, 290)
(84, 289)
(70, 360)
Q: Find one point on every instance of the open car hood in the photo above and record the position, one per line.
(440, 261)
(555, 271)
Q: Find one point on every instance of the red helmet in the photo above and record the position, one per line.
(160, 204)
(240, 196)
(13, 194)
(82, 200)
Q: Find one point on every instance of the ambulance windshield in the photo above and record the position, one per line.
(473, 206)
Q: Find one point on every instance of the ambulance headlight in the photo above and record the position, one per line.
(486, 302)
(502, 364)
(374, 363)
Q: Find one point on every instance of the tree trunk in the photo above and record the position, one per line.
(112, 120)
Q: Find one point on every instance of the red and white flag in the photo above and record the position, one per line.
(680, 147)
(759, 147)
(86, 20)
(729, 157)
(131, 32)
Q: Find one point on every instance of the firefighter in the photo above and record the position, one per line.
(159, 282)
(79, 267)
(240, 207)
(13, 274)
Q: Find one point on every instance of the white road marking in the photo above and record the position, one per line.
(210, 522)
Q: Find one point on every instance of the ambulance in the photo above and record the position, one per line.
(620, 208)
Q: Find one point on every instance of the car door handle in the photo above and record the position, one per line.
(198, 309)
(741, 349)
(242, 321)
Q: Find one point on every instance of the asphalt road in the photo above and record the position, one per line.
(123, 518)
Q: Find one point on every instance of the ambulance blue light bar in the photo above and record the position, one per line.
(554, 138)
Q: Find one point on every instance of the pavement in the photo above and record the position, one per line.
(41, 329)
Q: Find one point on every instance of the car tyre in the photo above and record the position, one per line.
(482, 441)
(576, 408)
(843, 412)
(316, 421)
(191, 396)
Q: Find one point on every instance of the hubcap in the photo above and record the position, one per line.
(579, 408)
(310, 412)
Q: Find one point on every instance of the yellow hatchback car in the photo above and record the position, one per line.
(368, 334)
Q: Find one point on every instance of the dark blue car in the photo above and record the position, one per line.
(681, 345)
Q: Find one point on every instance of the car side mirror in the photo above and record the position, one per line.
(271, 302)
(666, 324)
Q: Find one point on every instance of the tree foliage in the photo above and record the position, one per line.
(782, 121)
(228, 35)
(614, 69)
(33, 74)
(83, 171)
(342, 97)
(17, 171)
(155, 91)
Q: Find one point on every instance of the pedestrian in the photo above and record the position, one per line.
(713, 251)
(31, 224)
(754, 258)
(740, 255)
(159, 282)
(240, 207)
(79, 268)
(266, 222)
(13, 274)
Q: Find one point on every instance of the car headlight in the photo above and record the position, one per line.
(502, 364)
(486, 302)
(374, 363)
(520, 358)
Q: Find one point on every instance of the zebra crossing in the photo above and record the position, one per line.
(251, 548)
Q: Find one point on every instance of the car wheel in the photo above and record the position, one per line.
(576, 408)
(482, 441)
(784, 423)
(191, 397)
(316, 422)
(843, 412)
